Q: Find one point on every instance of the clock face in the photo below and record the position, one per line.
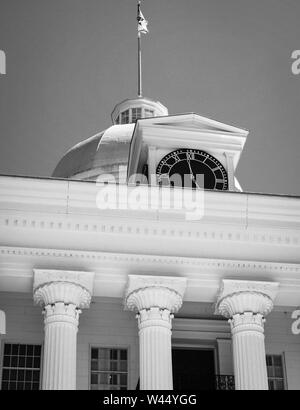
(193, 168)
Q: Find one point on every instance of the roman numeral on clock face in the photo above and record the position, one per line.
(176, 157)
(190, 155)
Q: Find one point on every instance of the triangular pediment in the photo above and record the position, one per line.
(192, 121)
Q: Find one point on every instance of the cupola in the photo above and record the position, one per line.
(130, 110)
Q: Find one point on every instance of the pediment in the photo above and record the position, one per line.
(194, 122)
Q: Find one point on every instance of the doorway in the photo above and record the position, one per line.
(193, 369)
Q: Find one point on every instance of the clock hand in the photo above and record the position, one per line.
(192, 174)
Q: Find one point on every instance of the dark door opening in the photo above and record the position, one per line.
(193, 369)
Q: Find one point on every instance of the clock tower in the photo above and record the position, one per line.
(147, 145)
(186, 150)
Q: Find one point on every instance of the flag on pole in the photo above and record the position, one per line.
(142, 22)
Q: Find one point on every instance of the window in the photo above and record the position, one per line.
(118, 119)
(125, 117)
(109, 369)
(136, 114)
(149, 113)
(275, 372)
(21, 367)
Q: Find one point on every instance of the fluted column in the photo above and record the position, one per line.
(2, 326)
(246, 304)
(155, 299)
(62, 294)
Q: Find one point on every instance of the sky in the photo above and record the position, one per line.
(70, 61)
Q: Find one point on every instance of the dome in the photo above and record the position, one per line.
(108, 151)
(104, 153)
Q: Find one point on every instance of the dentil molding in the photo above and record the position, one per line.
(208, 233)
(207, 263)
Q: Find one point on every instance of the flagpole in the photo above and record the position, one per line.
(140, 91)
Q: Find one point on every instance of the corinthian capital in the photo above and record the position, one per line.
(240, 296)
(68, 287)
(146, 292)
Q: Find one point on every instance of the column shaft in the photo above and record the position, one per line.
(249, 358)
(60, 348)
(155, 353)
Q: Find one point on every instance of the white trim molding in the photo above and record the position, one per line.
(112, 270)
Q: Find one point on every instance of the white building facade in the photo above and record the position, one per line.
(102, 290)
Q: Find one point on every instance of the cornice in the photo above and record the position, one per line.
(121, 258)
(36, 203)
(112, 269)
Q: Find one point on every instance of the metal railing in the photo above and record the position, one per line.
(224, 382)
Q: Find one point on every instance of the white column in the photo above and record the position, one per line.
(230, 171)
(62, 294)
(245, 304)
(155, 298)
(2, 326)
